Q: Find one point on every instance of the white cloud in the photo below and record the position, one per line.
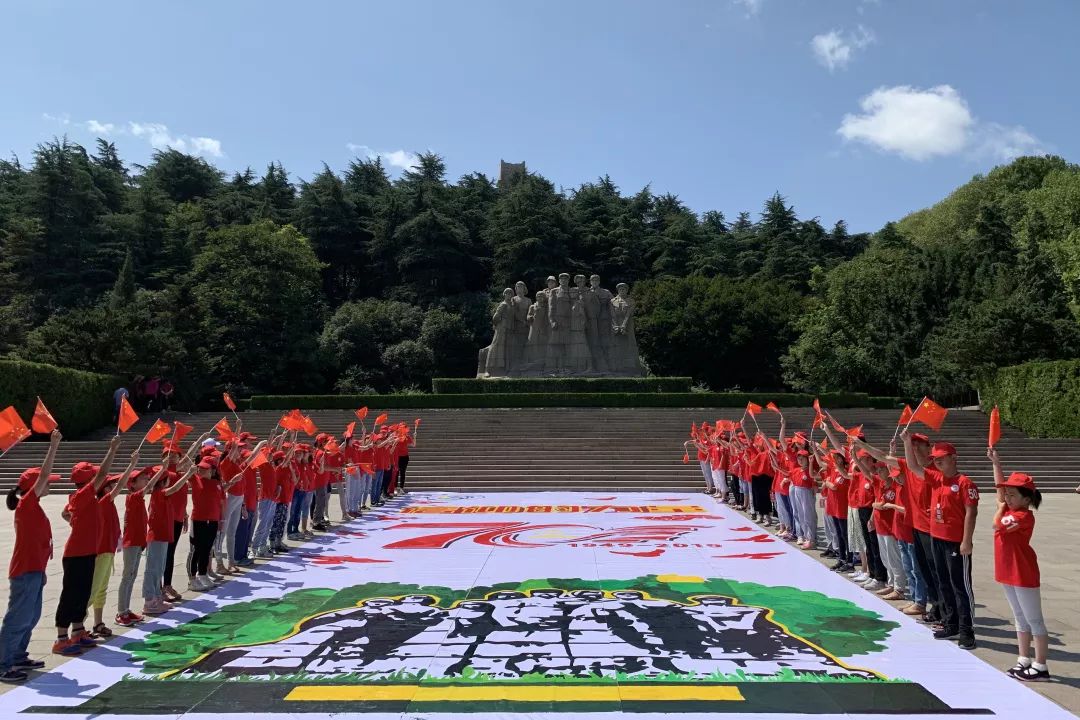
(923, 124)
(159, 137)
(402, 159)
(1005, 143)
(834, 49)
(99, 128)
(916, 124)
(62, 119)
(752, 7)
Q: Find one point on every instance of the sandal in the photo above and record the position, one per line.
(102, 630)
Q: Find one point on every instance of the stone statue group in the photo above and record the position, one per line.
(579, 330)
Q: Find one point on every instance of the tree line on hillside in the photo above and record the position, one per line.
(357, 281)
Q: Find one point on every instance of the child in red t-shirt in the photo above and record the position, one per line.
(108, 540)
(29, 558)
(80, 552)
(1016, 567)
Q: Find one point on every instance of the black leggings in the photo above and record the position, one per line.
(170, 553)
(873, 552)
(840, 531)
(735, 489)
(760, 487)
(402, 463)
(203, 533)
(75, 590)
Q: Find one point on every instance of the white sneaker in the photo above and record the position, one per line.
(214, 576)
(205, 582)
(868, 581)
(875, 586)
(860, 577)
(194, 584)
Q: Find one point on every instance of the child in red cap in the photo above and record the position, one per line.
(1016, 567)
(954, 507)
(80, 552)
(108, 540)
(29, 558)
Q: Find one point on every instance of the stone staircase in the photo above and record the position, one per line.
(590, 449)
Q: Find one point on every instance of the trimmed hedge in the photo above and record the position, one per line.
(1040, 398)
(476, 386)
(514, 400)
(80, 401)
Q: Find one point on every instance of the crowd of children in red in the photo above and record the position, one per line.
(236, 501)
(899, 522)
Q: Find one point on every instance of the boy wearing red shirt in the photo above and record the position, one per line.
(954, 509)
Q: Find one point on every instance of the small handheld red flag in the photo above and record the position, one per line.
(223, 430)
(350, 429)
(259, 459)
(12, 429)
(180, 430)
(753, 408)
(686, 458)
(995, 427)
(362, 413)
(854, 431)
(836, 426)
(772, 406)
(930, 414)
(905, 416)
(817, 405)
(381, 419)
(159, 430)
(229, 402)
(416, 423)
(127, 416)
(308, 426)
(43, 421)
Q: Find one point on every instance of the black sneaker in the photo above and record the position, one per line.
(948, 634)
(1030, 674)
(839, 565)
(29, 664)
(14, 677)
(1017, 668)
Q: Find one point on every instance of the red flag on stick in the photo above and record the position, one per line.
(772, 406)
(180, 430)
(350, 429)
(753, 408)
(930, 414)
(905, 415)
(43, 421)
(381, 419)
(686, 458)
(229, 402)
(308, 426)
(223, 430)
(362, 413)
(259, 459)
(836, 426)
(127, 416)
(12, 429)
(854, 431)
(995, 427)
(159, 430)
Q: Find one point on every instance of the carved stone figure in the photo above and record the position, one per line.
(579, 357)
(498, 355)
(559, 307)
(624, 350)
(536, 346)
(590, 301)
(603, 318)
(520, 331)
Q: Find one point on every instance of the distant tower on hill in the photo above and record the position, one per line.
(509, 171)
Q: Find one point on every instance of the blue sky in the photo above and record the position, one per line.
(857, 109)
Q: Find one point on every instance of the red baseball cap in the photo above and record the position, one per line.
(207, 463)
(919, 437)
(942, 449)
(1020, 480)
(30, 477)
(83, 472)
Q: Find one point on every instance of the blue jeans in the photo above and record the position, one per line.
(23, 613)
(154, 572)
(301, 504)
(262, 526)
(379, 486)
(916, 582)
(243, 535)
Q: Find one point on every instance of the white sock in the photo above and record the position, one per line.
(1041, 667)
(1023, 661)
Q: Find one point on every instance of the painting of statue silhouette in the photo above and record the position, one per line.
(510, 634)
(566, 330)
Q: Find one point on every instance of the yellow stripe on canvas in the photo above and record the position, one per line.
(520, 693)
